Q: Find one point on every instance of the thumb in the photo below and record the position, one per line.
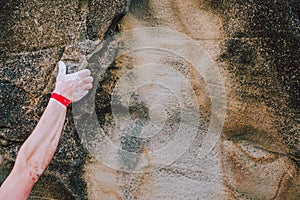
(62, 69)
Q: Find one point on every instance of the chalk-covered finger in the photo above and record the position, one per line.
(88, 79)
(84, 72)
(87, 86)
(62, 69)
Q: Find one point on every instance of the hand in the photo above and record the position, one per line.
(73, 86)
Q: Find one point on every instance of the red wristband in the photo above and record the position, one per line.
(63, 100)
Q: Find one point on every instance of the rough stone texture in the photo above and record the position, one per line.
(255, 45)
(261, 136)
(34, 35)
(191, 176)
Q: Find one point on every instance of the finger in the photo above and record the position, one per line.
(62, 68)
(87, 86)
(88, 79)
(84, 72)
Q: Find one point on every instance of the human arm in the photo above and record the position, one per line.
(38, 149)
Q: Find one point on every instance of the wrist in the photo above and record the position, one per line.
(60, 98)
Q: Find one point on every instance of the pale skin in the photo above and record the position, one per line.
(38, 149)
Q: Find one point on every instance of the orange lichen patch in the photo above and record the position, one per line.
(229, 188)
(146, 180)
(252, 142)
(238, 173)
(145, 187)
(279, 185)
(145, 154)
(102, 181)
(254, 122)
(203, 96)
(265, 177)
(252, 113)
(289, 187)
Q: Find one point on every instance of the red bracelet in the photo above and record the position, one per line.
(63, 100)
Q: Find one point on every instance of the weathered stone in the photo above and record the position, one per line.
(255, 46)
(34, 36)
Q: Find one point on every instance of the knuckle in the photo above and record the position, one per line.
(85, 72)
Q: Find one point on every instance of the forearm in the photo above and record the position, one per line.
(43, 141)
(37, 151)
(39, 148)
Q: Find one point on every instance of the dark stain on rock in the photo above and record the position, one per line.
(262, 54)
(268, 34)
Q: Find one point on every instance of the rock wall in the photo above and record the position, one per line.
(253, 44)
(35, 35)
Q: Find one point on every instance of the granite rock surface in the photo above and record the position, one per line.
(253, 45)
